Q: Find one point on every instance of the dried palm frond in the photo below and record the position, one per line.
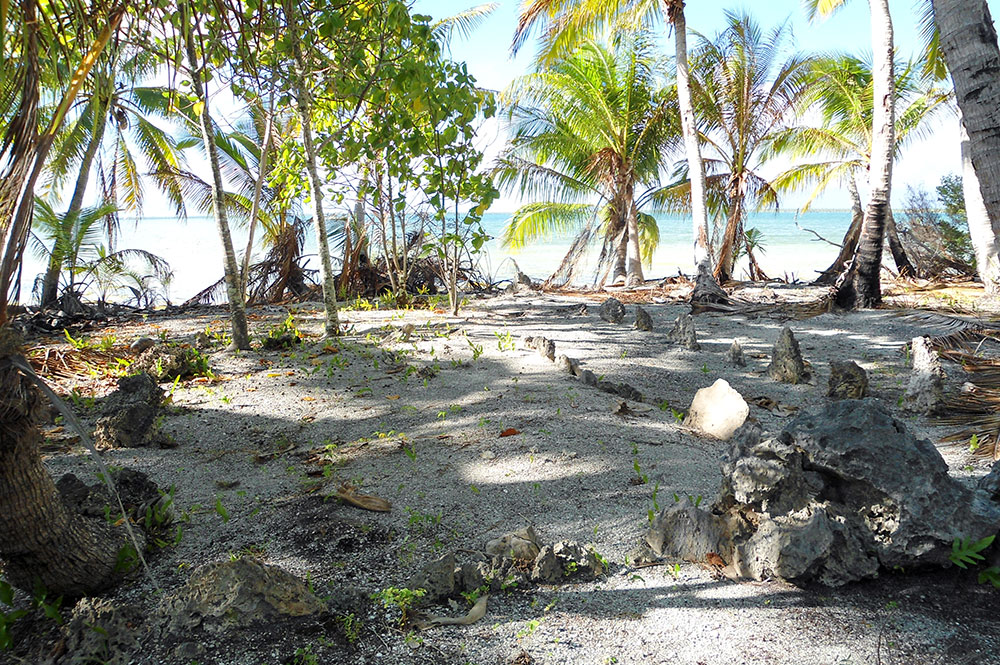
(978, 416)
(952, 331)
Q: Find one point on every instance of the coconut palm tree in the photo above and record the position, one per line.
(588, 136)
(565, 22)
(860, 285)
(114, 129)
(745, 83)
(41, 541)
(962, 21)
(841, 91)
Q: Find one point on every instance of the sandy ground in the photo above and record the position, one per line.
(427, 439)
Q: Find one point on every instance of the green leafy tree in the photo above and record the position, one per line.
(588, 136)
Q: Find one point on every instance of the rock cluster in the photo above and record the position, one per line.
(840, 493)
(515, 559)
(544, 346)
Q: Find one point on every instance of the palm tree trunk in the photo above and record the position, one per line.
(969, 43)
(258, 188)
(850, 244)
(633, 273)
(620, 248)
(730, 242)
(50, 283)
(866, 286)
(234, 292)
(331, 324)
(983, 233)
(696, 168)
(39, 538)
(899, 257)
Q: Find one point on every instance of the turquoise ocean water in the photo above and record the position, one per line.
(194, 250)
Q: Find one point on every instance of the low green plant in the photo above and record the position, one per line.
(477, 349)
(8, 618)
(505, 341)
(966, 552)
(352, 626)
(402, 599)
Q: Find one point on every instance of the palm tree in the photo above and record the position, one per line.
(860, 285)
(112, 101)
(961, 34)
(745, 86)
(588, 137)
(841, 91)
(41, 541)
(566, 22)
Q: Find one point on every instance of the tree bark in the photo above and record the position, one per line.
(331, 325)
(50, 283)
(983, 233)
(969, 44)
(696, 168)
(899, 257)
(234, 290)
(39, 538)
(258, 188)
(868, 262)
(633, 273)
(730, 241)
(850, 244)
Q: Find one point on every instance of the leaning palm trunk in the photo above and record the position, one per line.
(969, 43)
(50, 283)
(731, 239)
(39, 538)
(850, 243)
(331, 325)
(234, 290)
(258, 188)
(868, 263)
(982, 232)
(903, 265)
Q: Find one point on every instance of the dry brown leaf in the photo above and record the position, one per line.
(510, 431)
(349, 495)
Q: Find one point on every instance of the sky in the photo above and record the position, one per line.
(487, 54)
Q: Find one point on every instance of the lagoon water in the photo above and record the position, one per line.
(194, 250)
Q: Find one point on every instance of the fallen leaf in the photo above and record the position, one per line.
(274, 373)
(349, 495)
(308, 399)
(290, 373)
(714, 559)
(392, 396)
(510, 431)
(316, 361)
(329, 348)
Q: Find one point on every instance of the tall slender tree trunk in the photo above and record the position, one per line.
(984, 234)
(331, 325)
(258, 188)
(50, 283)
(633, 272)
(868, 263)
(850, 243)
(234, 290)
(696, 168)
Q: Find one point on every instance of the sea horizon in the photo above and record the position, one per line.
(788, 251)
